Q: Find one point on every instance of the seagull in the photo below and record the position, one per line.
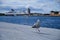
(37, 25)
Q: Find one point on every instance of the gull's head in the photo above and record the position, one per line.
(38, 20)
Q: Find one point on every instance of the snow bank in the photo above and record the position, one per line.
(9, 31)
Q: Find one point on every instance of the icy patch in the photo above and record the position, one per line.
(9, 31)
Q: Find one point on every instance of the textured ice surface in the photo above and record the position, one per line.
(9, 31)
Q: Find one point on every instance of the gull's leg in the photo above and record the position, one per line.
(38, 29)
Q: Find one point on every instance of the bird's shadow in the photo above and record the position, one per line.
(42, 33)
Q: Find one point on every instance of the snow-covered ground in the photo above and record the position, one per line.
(9, 31)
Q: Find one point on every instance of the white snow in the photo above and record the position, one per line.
(9, 31)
